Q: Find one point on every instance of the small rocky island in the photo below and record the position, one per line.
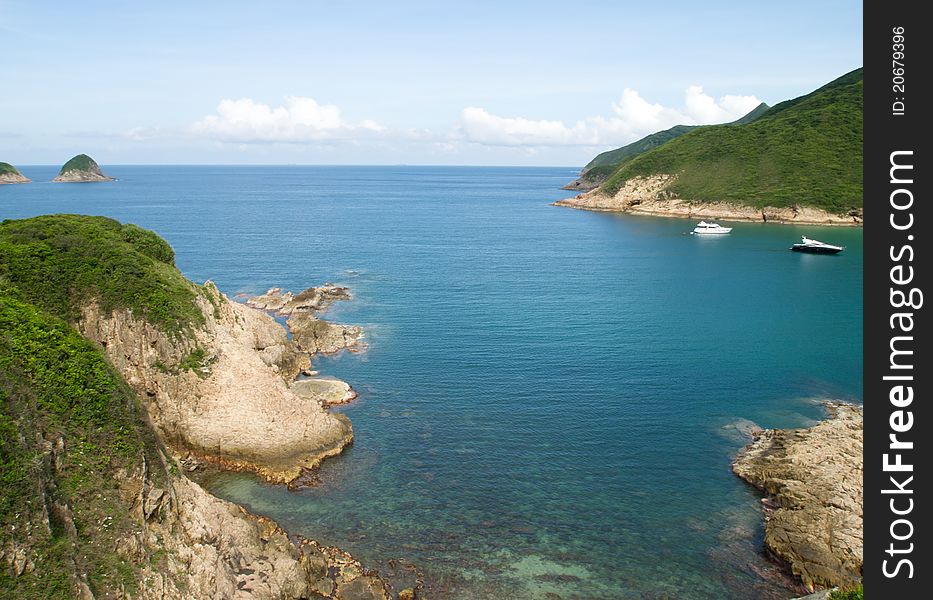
(10, 174)
(81, 169)
(813, 512)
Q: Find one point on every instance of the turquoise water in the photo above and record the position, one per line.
(547, 401)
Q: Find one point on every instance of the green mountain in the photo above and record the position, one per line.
(81, 162)
(606, 163)
(806, 151)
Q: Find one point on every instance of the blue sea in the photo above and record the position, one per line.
(551, 399)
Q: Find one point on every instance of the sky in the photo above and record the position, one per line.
(402, 82)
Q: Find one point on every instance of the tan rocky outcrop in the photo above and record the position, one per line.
(313, 299)
(813, 478)
(313, 335)
(325, 391)
(652, 196)
(235, 406)
(13, 178)
(212, 548)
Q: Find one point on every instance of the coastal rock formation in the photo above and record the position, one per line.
(97, 438)
(216, 549)
(10, 174)
(651, 196)
(813, 478)
(313, 335)
(313, 299)
(81, 169)
(223, 395)
(324, 390)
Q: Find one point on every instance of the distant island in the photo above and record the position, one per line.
(80, 169)
(797, 162)
(10, 174)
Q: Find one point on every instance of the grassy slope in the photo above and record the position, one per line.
(806, 151)
(608, 161)
(6, 168)
(81, 162)
(61, 262)
(55, 384)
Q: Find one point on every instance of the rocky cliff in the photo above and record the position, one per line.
(104, 411)
(81, 169)
(813, 478)
(224, 394)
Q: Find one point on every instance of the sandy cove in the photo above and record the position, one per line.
(650, 196)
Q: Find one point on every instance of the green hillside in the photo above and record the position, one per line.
(70, 428)
(7, 168)
(613, 158)
(61, 262)
(606, 163)
(806, 151)
(81, 162)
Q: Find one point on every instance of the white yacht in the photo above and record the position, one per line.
(816, 247)
(704, 228)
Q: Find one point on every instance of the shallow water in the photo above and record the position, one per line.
(546, 403)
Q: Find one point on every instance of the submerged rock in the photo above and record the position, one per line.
(81, 169)
(814, 481)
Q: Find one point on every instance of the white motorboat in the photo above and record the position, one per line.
(816, 247)
(704, 228)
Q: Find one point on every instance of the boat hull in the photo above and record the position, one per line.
(815, 249)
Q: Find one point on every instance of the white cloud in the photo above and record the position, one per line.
(632, 117)
(298, 120)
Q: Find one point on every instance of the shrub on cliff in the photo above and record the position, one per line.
(68, 426)
(63, 262)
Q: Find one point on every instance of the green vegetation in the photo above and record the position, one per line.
(8, 169)
(73, 436)
(197, 360)
(614, 158)
(63, 262)
(68, 426)
(803, 152)
(600, 168)
(81, 162)
(855, 593)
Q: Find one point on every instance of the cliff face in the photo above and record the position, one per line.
(81, 169)
(224, 394)
(813, 478)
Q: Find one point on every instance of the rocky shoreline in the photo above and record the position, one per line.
(813, 508)
(650, 196)
(238, 405)
(11, 178)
